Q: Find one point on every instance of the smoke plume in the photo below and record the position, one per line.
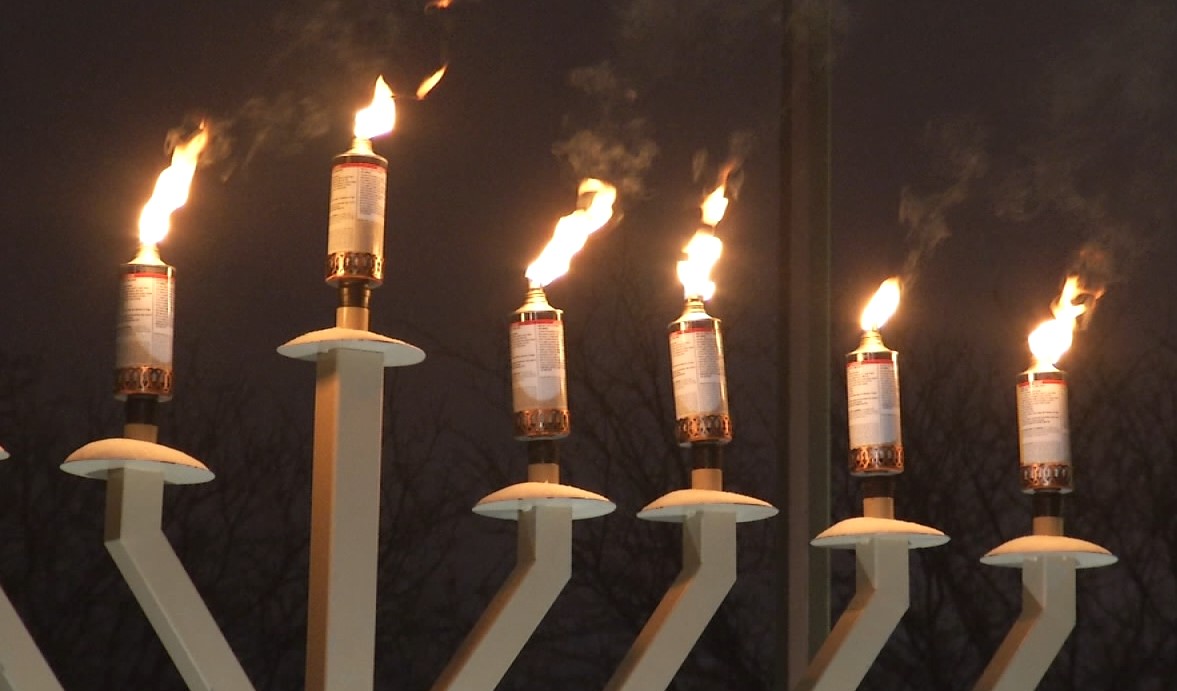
(957, 156)
(610, 140)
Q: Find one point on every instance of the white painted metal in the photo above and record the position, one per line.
(677, 506)
(134, 506)
(1048, 564)
(311, 346)
(543, 566)
(345, 520)
(22, 667)
(510, 502)
(880, 599)
(708, 573)
(1048, 615)
(98, 458)
(1086, 555)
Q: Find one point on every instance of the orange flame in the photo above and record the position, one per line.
(695, 271)
(714, 206)
(572, 231)
(430, 82)
(379, 117)
(171, 189)
(1052, 338)
(881, 306)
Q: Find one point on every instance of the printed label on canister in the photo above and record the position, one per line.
(144, 334)
(537, 365)
(356, 220)
(1043, 429)
(696, 363)
(872, 395)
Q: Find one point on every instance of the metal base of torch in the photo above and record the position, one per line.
(852, 532)
(511, 502)
(679, 505)
(98, 459)
(1016, 552)
(311, 345)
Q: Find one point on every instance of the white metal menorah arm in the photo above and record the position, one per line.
(542, 569)
(882, 594)
(709, 516)
(1048, 564)
(22, 666)
(545, 511)
(162, 586)
(708, 574)
(135, 471)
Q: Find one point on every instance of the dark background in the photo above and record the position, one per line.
(977, 149)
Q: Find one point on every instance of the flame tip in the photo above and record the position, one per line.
(882, 305)
(572, 231)
(171, 188)
(379, 116)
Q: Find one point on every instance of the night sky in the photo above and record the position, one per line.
(981, 149)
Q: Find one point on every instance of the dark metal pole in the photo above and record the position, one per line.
(804, 339)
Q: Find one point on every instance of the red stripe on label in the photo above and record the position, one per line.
(360, 165)
(536, 321)
(146, 275)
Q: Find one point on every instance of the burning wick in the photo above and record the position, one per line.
(702, 419)
(872, 400)
(539, 389)
(1044, 441)
(143, 360)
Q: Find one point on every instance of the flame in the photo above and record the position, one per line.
(1052, 338)
(881, 306)
(572, 231)
(437, 4)
(380, 115)
(695, 271)
(430, 82)
(714, 206)
(171, 189)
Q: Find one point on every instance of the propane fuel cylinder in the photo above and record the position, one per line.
(143, 359)
(539, 388)
(1044, 438)
(700, 383)
(355, 230)
(872, 396)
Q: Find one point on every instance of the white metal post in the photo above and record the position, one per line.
(345, 496)
(880, 599)
(543, 566)
(708, 573)
(345, 521)
(134, 506)
(22, 667)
